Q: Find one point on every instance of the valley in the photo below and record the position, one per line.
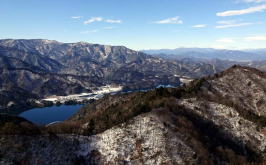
(101, 104)
(37, 69)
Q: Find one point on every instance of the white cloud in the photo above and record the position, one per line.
(251, 1)
(256, 38)
(89, 31)
(225, 40)
(93, 19)
(76, 17)
(199, 26)
(113, 21)
(174, 20)
(100, 19)
(233, 25)
(254, 9)
(230, 24)
(109, 27)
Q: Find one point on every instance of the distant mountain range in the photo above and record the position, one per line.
(210, 54)
(34, 69)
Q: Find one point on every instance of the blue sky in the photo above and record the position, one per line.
(139, 24)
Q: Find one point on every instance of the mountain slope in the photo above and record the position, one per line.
(102, 61)
(214, 120)
(218, 119)
(111, 64)
(44, 68)
(22, 84)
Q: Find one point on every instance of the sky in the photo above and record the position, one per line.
(139, 24)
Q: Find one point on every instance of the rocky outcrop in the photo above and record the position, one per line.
(243, 86)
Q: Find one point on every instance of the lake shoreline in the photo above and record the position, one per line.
(47, 115)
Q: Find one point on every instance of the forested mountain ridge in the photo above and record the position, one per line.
(217, 119)
(39, 68)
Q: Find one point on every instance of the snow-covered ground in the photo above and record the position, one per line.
(96, 94)
(185, 80)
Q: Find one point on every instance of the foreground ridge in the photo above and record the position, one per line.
(218, 119)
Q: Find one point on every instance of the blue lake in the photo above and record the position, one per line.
(50, 114)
